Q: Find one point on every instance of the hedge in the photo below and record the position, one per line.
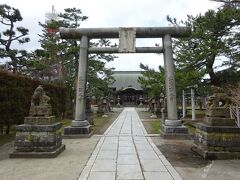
(15, 97)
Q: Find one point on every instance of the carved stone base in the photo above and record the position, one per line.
(78, 132)
(40, 120)
(213, 155)
(217, 142)
(175, 132)
(218, 121)
(218, 112)
(51, 154)
(38, 139)
(43, 110)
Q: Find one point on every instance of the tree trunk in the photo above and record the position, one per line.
(8, 129)
(213, 78)
(13, 61)
(200, 104)
(1, 129)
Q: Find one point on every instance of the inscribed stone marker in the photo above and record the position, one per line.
(127, 40)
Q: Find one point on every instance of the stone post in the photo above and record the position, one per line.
(183, 104)
(118, 102)
(172, 119)
(141, 101)
(80, 126)
(81, 85)
(193, 103)
(173, 126)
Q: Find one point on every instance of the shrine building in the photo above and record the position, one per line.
(127, 89)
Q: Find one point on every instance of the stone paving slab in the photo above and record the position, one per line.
(102, 175)
(127, 159)
(126, 152)
(104, 165)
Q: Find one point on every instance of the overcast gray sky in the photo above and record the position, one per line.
(113, 13)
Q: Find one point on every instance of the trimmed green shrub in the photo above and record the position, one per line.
(15, 97)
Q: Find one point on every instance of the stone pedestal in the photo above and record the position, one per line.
(89, 116)
(179, 132)
(38, 137)
(219, 121)
(40, 110)
(217, 139)
(78, 132)
(40, 120)
(174, 129)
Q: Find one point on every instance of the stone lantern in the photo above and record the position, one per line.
(141, 101)
(118, 102)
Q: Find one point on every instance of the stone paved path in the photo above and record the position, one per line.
(126, 152)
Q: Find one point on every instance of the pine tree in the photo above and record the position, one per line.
(214, 36)
(9, 16)
(65, 53)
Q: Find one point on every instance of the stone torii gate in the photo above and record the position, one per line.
(127, 38)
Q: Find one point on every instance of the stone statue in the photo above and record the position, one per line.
(39, 98)
(40, 135)
(39, 103)
(218, 103)
(217, 136)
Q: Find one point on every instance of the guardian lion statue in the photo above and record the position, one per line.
(39, 103)
(218, 103)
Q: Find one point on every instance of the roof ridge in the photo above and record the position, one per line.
(121, 72)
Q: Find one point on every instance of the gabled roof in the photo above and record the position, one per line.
(126, 79)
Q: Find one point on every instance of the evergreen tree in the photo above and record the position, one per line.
(9, 16)
(233, 3)
(57, 52)
(151, 80)
(154, 81)
(99, 77)
(214, 36)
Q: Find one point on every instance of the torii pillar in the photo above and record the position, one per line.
(80, 127)
(172, 126)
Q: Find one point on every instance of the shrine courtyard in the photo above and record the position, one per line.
(124, 151)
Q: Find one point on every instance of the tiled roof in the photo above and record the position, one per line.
(126, 79)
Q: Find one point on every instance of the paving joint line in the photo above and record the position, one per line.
(141, 166)
(121, 122)
(117, 160)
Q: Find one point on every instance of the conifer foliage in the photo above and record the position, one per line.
(11, 34)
